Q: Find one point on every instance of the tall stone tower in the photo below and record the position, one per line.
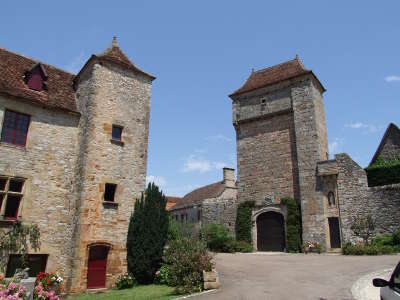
(113, 97)
(279, 118)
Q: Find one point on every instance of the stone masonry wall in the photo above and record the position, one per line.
(48, 165)
(357, 199)
(108, 95)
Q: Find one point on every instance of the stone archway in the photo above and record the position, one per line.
(270, 228)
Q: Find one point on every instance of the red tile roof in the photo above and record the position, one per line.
(171, 202)
(272, 75)
(59, 93)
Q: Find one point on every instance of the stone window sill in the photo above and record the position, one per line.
(7, 222)
(110, 204)
(117, 142)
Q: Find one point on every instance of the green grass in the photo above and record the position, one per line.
(142, 292)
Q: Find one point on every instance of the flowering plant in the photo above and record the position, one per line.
(49, 280)
(12, 291)
(311, 247)
(124, 281)
(41, 294)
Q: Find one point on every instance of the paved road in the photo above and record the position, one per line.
(292, 276)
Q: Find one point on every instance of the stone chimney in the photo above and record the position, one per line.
(229, 177)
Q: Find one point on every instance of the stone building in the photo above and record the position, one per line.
(282, 151)
(73, 160)
(213, 203)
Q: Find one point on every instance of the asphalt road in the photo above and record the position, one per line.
(292, 276)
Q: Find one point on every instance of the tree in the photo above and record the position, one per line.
(16, 240)
(363, 227)
(147, 235)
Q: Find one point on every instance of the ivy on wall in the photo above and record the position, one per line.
(293, 225)
(243, 221)
(383, 172)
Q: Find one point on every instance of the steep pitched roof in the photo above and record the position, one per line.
(390, 141)
(198, 195)
(275, 74)
(59, 93)
(114, 54)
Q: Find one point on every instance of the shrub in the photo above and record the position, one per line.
(184, 262)
(124, 281)
(350, 249)
(383, 240)
(385, 249)
(13, 291)
(363, 227)
(217, 238)
(396, 238)
(147, 235)
(242, 246)
(383, 172)
(361, 249)
(293, 225)
(243, 221)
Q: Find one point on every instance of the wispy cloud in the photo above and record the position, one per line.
(196, 163)
(336, 146)
(76, 63)
(158, 180)
(359, 125)
(392, 78)
(219, 138)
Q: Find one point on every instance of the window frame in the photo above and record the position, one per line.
(6, 196)
(14, 130)
(114, 192)
(118, 127)
(13, 256)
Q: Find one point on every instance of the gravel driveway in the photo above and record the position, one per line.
(293, 276)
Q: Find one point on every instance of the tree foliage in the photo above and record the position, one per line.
(243, 221)
(147, 234)
(17, 240)
(293, 225)
(363, 227)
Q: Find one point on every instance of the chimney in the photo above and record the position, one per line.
(229, 177)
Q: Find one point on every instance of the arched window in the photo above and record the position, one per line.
(331, 199)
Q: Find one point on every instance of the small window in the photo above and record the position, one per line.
(109, 193)
(15, 128)
(12, 205)
(15, 186)
(331, 199)
(36, 264)
(116, 133)
(11, 196)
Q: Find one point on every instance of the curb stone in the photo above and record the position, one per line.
(197, 294)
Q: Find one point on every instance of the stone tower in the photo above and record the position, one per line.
(113, 97)
(279, 118)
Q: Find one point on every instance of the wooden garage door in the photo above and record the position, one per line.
(97, 265)
(270, 232)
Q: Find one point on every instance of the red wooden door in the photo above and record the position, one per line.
(97, 264)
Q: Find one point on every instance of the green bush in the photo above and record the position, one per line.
(383, 172)
(385, 249)
(147, 235)
(242, 246)
(374, 249)
(396, 238)
(217, 238)
(383, 240)
(293, 225)
(124, 281)
(243, 221)
(184, 262)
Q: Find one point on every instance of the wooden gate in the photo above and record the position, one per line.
(270, 232)
(334, 232)
(97, 265)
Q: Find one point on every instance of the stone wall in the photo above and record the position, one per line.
(108, 94)
(357, 199)
(48, 165)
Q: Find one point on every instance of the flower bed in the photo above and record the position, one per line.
(312, 247)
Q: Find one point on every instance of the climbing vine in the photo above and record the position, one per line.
(16, 240)
(293, 225)
(243, 221)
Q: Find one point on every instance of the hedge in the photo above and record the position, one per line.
(243, 221)
(383, 172)
(293, 225)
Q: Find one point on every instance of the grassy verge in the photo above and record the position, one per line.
(143, 292)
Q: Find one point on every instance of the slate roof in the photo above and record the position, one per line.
(392, 133)
(198, 195)
(273, 75)
(59, 93)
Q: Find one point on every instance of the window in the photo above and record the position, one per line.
(109, 193)
(15, 128)
(116, 133)
(36, 263)
(331, 199)
(11, 190)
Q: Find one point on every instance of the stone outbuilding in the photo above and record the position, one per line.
(73, 160)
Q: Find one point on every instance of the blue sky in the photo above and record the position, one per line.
(201, 51)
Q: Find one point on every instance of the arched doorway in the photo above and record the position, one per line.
(270, 232)
(97, 265)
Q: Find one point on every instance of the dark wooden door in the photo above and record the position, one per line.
(334, 232)
(270, 232)
(97, 264)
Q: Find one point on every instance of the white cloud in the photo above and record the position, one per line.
(158, 180)
(198, 164)
(359, 125)
(336, 146)
(219, 137)
(392, 78)
(76, 63)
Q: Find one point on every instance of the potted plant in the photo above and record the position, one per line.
(309, 247)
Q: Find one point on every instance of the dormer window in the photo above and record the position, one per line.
(36, 77)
